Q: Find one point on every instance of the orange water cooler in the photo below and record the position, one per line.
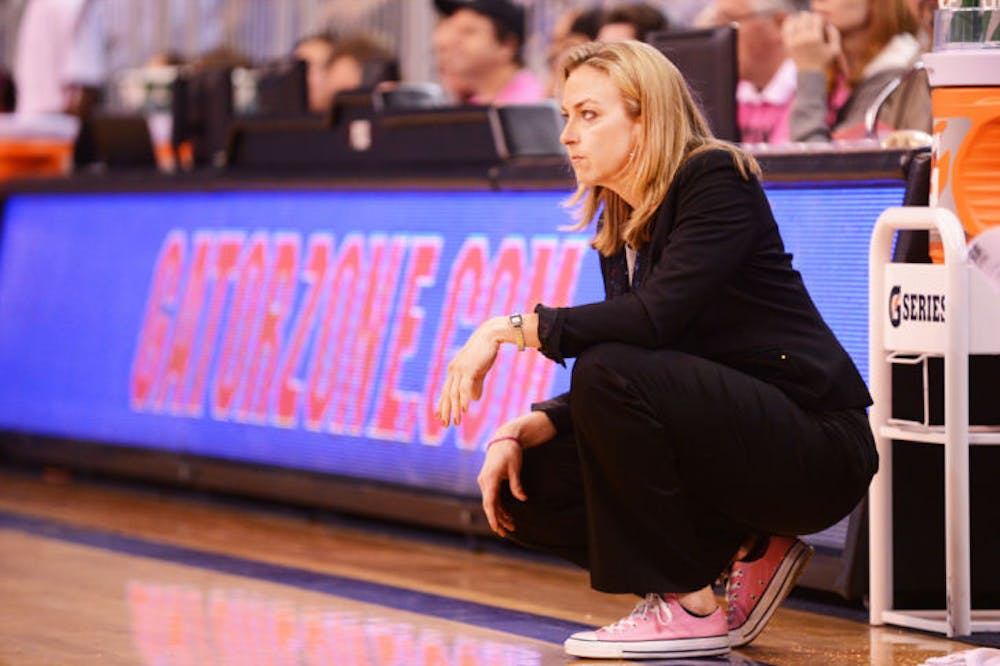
(33, 145)
(964, 72)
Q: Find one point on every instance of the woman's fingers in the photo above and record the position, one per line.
(498, 519)
(833, 41)
(457, 394)
(491, 517)
(497, 469)
(450, 403)
(790, 28)
(504, 520)
(444, 402)
(514, 479)
(465, 374)
(803, 28)
(833, 38)
(461, 389)
(810, 41)
(502, 524)
(456, 401)
(465, 393)
(816, 26)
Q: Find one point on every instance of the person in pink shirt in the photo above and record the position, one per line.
(763, 113)
(767, 76)
(479, 52)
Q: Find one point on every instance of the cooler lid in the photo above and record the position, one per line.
(971, 67)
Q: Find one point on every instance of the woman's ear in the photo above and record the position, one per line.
(636, 133)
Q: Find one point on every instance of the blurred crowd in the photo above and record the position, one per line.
(809, 71)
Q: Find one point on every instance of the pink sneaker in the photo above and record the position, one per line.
(658, 627)
(756, 589)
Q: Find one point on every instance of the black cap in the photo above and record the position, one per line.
(504, 12)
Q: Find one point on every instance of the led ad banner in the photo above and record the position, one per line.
(307, 330)
(311, 330)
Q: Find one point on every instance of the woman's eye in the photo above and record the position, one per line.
(588, 115)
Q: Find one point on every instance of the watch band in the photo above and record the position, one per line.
(517, 323)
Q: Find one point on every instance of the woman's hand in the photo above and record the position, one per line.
(503, 463)
(466, 372)
(811, 42)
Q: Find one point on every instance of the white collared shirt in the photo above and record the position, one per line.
(779, 90)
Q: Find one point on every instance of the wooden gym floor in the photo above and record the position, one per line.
(98, 573)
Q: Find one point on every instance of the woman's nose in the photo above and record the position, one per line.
(567, 136)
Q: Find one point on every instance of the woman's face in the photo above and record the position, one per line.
(599, 132)
(845, 15)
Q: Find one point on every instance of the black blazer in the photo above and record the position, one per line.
(714, 281)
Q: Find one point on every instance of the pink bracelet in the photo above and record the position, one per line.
(502, 439)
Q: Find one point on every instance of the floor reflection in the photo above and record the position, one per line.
(891, 645)
(176, 624)
(183, 624)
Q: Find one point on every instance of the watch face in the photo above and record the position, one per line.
(516, 320)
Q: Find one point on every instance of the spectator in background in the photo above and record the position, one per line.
(359, 61)
(572, 28)
(767, 75)
(685, 12)
(165, 59)
(60, 63)
(315, 51)
(355, 61)
(221, 57)
(444, 40)
(632, 21)
(847, 53)
(479, 54)
(587, 23)
(8, 95)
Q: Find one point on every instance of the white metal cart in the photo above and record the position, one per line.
(907, 316)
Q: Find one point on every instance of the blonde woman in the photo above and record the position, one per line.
(710, 408)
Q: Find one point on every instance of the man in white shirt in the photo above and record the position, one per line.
(60, 59)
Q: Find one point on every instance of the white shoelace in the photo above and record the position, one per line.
(652, 603)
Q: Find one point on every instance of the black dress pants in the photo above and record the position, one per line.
(673, 461)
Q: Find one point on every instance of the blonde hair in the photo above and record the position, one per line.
(672, 130)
